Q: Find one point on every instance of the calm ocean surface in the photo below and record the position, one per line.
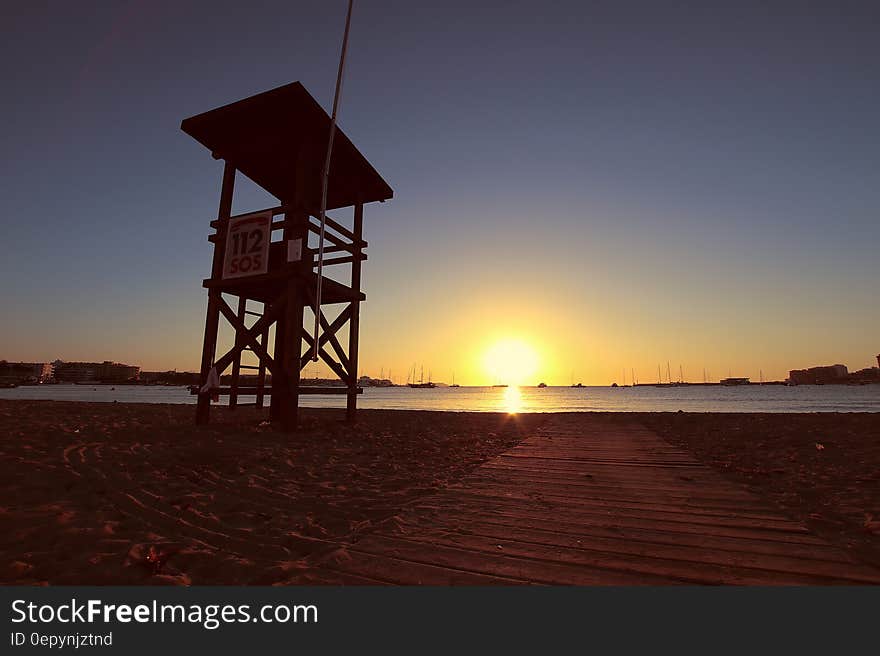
(753, 398)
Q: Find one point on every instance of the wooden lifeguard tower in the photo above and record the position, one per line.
(263, 261)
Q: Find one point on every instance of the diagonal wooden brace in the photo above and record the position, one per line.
(327, 358)
(329, 332)
(251, 334)
(334, 342)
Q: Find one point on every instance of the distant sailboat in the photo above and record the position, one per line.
(422, 384)
(453, 381)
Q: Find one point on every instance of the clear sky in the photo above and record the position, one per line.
(598, 186)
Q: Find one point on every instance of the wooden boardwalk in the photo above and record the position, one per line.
(589, 501)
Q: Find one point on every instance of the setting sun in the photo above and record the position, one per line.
(511, 362)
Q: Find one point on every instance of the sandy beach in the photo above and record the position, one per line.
(104, 493)
(135, 494)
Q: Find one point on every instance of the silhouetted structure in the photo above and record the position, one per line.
(102, 372)
(25, 372)
(278, 139)
(818, 375)
(865, 376)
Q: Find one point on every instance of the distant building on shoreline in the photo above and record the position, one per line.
(867, 375)
(103, 372)
(836, 374)
(831, 374)
(366, 381)
(25, 372)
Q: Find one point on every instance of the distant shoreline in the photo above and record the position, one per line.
(525, 400)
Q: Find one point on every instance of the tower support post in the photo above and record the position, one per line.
(212, 316)
(355, 320)
(297, 226)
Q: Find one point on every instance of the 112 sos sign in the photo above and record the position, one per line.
(247, 245)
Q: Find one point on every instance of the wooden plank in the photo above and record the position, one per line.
(547, 571)
(244, 337)
(262, 324)
(332, 329)
(253, 390)
(696, 488)
(647, 562)
(327, 335)
(333, 239)
(282, 209)
(681, 515)
(341, 229)
(390, 570)
(597, 488)
(348, 259)
(551, 515)
(334, 366)
(735, 545)
(585, 497)
(587, 500)
(688, 554)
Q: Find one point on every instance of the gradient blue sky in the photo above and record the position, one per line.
(616, 184)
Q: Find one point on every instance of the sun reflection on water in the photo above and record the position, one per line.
(512, 399)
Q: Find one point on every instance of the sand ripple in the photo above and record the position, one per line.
(131, 494)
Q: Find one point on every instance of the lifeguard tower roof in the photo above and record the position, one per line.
(268, 134)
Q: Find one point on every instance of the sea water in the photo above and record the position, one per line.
(695, 398)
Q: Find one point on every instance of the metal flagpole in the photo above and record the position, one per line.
(325, 180)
